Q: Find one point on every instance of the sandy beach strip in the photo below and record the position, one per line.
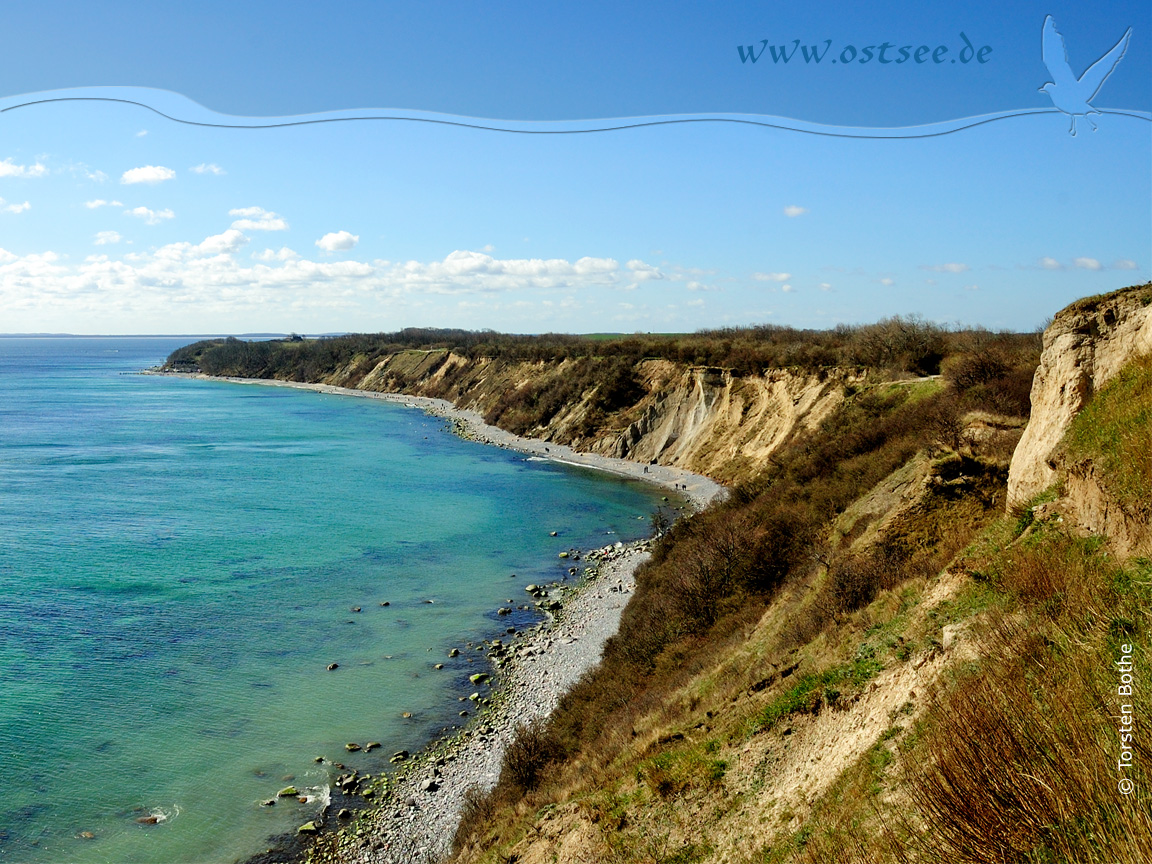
(698, 489)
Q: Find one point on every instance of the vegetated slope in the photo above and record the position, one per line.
(860, 658)
(719, 403)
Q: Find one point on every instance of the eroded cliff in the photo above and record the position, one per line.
(704, 419)
(1085, 346)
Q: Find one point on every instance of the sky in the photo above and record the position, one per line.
(117, 219)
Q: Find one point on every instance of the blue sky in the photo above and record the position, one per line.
(116, 220)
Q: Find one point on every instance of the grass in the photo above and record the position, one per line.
(1112, 430)
(815, 690)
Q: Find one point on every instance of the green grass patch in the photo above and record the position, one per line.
(1113, 431)
(809, 694)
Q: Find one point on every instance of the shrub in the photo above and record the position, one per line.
(532, 749)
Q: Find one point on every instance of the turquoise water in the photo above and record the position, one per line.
(179, 564)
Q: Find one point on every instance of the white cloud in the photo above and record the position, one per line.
(100, 202)
(258, 219)
(1047, 263)
(887, 281)
(792, 211)
(229, 241)
(285, 254)
(950, 267)
(214, 277)
(771, 277)
(152, 217)
(825, 286)
(342, 241)
(207, 168)
(14, 208)
(971, 287)
(9, 169)
(141, 133)
(786, 288)
(699, 301)
(151, 174)
(103, 238)
(1125, 264)
(642, 272)
(1087, 264)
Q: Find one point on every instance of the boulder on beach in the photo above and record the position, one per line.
(308, 828)
(287, 792)
(351, 747)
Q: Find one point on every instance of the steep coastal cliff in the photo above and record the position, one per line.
(1083, 438)
(703, 419)
(1085, 346)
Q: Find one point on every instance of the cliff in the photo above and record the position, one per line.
(1084, 347)
(905, 691)
(705, 419)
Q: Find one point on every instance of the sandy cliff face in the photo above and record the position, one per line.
(704, 419)
(712, 422)
(1085, 345)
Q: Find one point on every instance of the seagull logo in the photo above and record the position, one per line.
(1070, 94)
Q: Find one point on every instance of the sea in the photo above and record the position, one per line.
(182, 560)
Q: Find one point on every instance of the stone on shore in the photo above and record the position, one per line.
(287, 792)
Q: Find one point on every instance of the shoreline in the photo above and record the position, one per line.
(417, 809)
(698, 489)
(410, 815)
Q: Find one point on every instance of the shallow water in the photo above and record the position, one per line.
(179, 564)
